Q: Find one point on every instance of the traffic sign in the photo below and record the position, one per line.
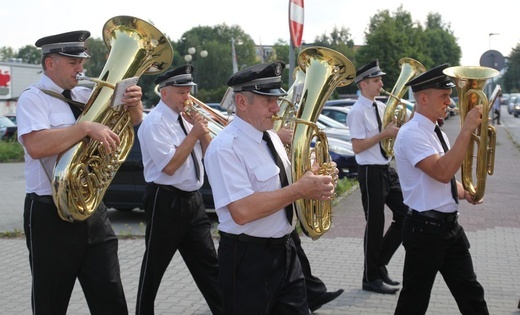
(492, 59)
(296, 21)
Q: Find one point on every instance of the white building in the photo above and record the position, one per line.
(15, 77)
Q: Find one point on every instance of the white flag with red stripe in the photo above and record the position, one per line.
(296, 21)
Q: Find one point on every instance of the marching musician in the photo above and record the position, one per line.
(432, 237)
(61, 252)
(378, 180)
(172, 145)
(259, 270)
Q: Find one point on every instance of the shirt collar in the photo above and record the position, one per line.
(423, 121)
(365, 102)
(247, 129)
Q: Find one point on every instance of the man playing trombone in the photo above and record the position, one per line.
(172, 145)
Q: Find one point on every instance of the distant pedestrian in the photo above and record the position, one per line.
(496, 109)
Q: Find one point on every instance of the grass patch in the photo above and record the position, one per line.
(11, 151)
(11, 234)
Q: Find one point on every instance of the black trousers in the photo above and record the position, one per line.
(177, 220)
(261, 278)
(433, 246)
(61, 252)
(314, 286)
(379, 185)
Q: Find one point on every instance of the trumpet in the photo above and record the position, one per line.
(217, 121)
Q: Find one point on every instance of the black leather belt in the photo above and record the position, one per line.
(46, 199)
(436, 215)
(244, 238)
(383, 166)
(172, 188)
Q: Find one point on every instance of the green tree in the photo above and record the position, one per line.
(6, 53)
(29, 54)
(511, 79)
(391, 37)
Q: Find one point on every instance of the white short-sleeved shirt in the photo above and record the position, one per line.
(416, 141)
(239, 164)
(362, 122)
(160, 134)
(39, 111)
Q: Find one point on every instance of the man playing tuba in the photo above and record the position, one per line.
(61, 252)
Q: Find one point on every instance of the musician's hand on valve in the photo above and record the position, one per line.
(200, 124)
(285, 135)
(106, 137)
(473, 118)
(390, 130)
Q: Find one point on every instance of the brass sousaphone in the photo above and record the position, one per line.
(83, 172)
(470, 82)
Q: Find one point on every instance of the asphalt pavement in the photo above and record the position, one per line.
(493, 229)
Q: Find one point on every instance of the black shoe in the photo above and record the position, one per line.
(386, 279)
(379, 287)
(324, 299)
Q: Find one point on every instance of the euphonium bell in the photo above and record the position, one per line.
(325, 69)
(83, 173)
(395, 108)
(470, 82)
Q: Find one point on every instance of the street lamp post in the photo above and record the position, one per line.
(489, 38)
(492, 56)
(190, 55)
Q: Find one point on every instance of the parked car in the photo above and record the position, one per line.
(8, 129)
(12, 117)
(342, 153)
(339, 114)
(515, 106)
(512, 101)
(341, 102)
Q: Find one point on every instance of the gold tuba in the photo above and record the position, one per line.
(325, 69)
(83, 172)
(395, 107)
(470, 82)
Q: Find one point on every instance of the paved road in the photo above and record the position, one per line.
(492, 228)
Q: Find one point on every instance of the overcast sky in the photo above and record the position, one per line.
(24, 21)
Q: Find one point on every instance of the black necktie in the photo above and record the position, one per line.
(283, 175)
(193, 155)
(454, 192)
(75, 110)
(379, 125)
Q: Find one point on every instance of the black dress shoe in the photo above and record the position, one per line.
(324, 299)
(386, 279)
(379, 287)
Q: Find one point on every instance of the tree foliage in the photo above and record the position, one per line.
(389, 37)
